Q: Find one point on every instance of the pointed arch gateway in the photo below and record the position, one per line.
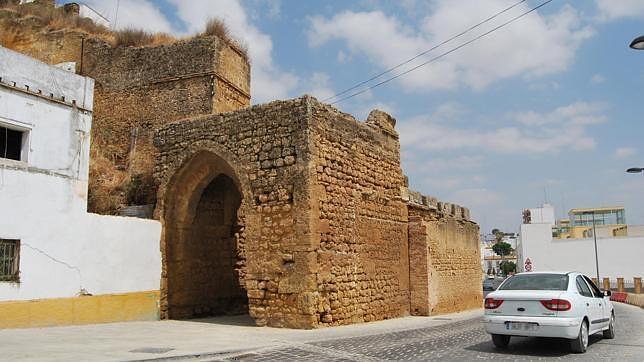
(202, 243)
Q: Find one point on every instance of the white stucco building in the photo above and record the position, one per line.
(618, 256)
(50, 247)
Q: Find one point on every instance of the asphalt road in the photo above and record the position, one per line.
(461, 341)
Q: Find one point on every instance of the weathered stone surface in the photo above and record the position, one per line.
(325, 238)
(446, 272)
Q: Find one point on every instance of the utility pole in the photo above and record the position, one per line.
(595, 239)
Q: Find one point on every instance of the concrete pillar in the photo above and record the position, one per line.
(620, 284)
(606, 284)
(637, 284)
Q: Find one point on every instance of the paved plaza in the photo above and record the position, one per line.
(457, 337)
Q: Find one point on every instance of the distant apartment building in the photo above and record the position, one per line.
(608, 221)
(568, 244)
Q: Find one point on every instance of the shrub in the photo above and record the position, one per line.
(217, 27)
(136, 37)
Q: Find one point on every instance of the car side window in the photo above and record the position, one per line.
(593, 288)
(582, 288)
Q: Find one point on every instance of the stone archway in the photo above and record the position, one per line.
(202, 246)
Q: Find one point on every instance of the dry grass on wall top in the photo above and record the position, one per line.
(56, 18)
(217, 27)
(137, 38)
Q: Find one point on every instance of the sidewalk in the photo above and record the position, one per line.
(195, 338)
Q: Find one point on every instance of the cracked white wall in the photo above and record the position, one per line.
(43, 198)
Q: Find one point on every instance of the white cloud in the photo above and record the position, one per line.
(319, 86)
(274, 9)
(624, 152)
(476, 197)
(597, 79)
(578, 113)
(562, 128)
(449, 111)
(447, 183)
(268, 81)
(553, 41)
(130, 14)
(612, 9)
(343, 57)
(479, 179)
(437, 164)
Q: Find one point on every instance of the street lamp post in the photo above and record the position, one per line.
(595, 239)
(638, 43)
(636, 170)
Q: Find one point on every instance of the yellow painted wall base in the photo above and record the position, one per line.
(137, 306)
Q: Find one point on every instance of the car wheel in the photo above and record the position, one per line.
(610, 332)
(500, 340)
(579, 344)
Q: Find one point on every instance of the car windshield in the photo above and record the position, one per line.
(536, 282)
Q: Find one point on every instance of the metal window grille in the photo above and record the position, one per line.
(9, 260)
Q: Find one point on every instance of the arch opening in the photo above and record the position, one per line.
(202, 244)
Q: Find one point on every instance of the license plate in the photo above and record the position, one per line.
(521, 326)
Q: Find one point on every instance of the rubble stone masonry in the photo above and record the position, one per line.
(445, 273)
(321, 235)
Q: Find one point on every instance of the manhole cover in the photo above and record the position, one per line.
(152, 350)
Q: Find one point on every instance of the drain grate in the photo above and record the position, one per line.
(152, 350)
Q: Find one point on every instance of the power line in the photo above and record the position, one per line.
(426, 51)
(116, 15)
(445, 53)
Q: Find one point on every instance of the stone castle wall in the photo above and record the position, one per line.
(363, 255)
(444, 250)
(153, 86)
(327, 233)
(265, 149)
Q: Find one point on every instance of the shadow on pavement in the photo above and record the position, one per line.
(531, 346)
(243, 320)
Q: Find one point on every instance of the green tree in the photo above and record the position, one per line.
(508, 267)
(502, 248)
(498, 234)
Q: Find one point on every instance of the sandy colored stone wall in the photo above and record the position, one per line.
(445, 259)
(141, 88)
(322, 228)
(265, 150)
(363, 256)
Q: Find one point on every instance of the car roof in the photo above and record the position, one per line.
(550, 272)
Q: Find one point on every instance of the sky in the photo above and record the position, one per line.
(546, 108)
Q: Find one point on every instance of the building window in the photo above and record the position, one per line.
(9, 260)
(12, 143)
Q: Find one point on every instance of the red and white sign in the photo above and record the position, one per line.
(527, 266)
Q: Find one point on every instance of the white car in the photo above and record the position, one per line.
(549, 304)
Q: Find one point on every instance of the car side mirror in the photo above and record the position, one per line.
(607, 293)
